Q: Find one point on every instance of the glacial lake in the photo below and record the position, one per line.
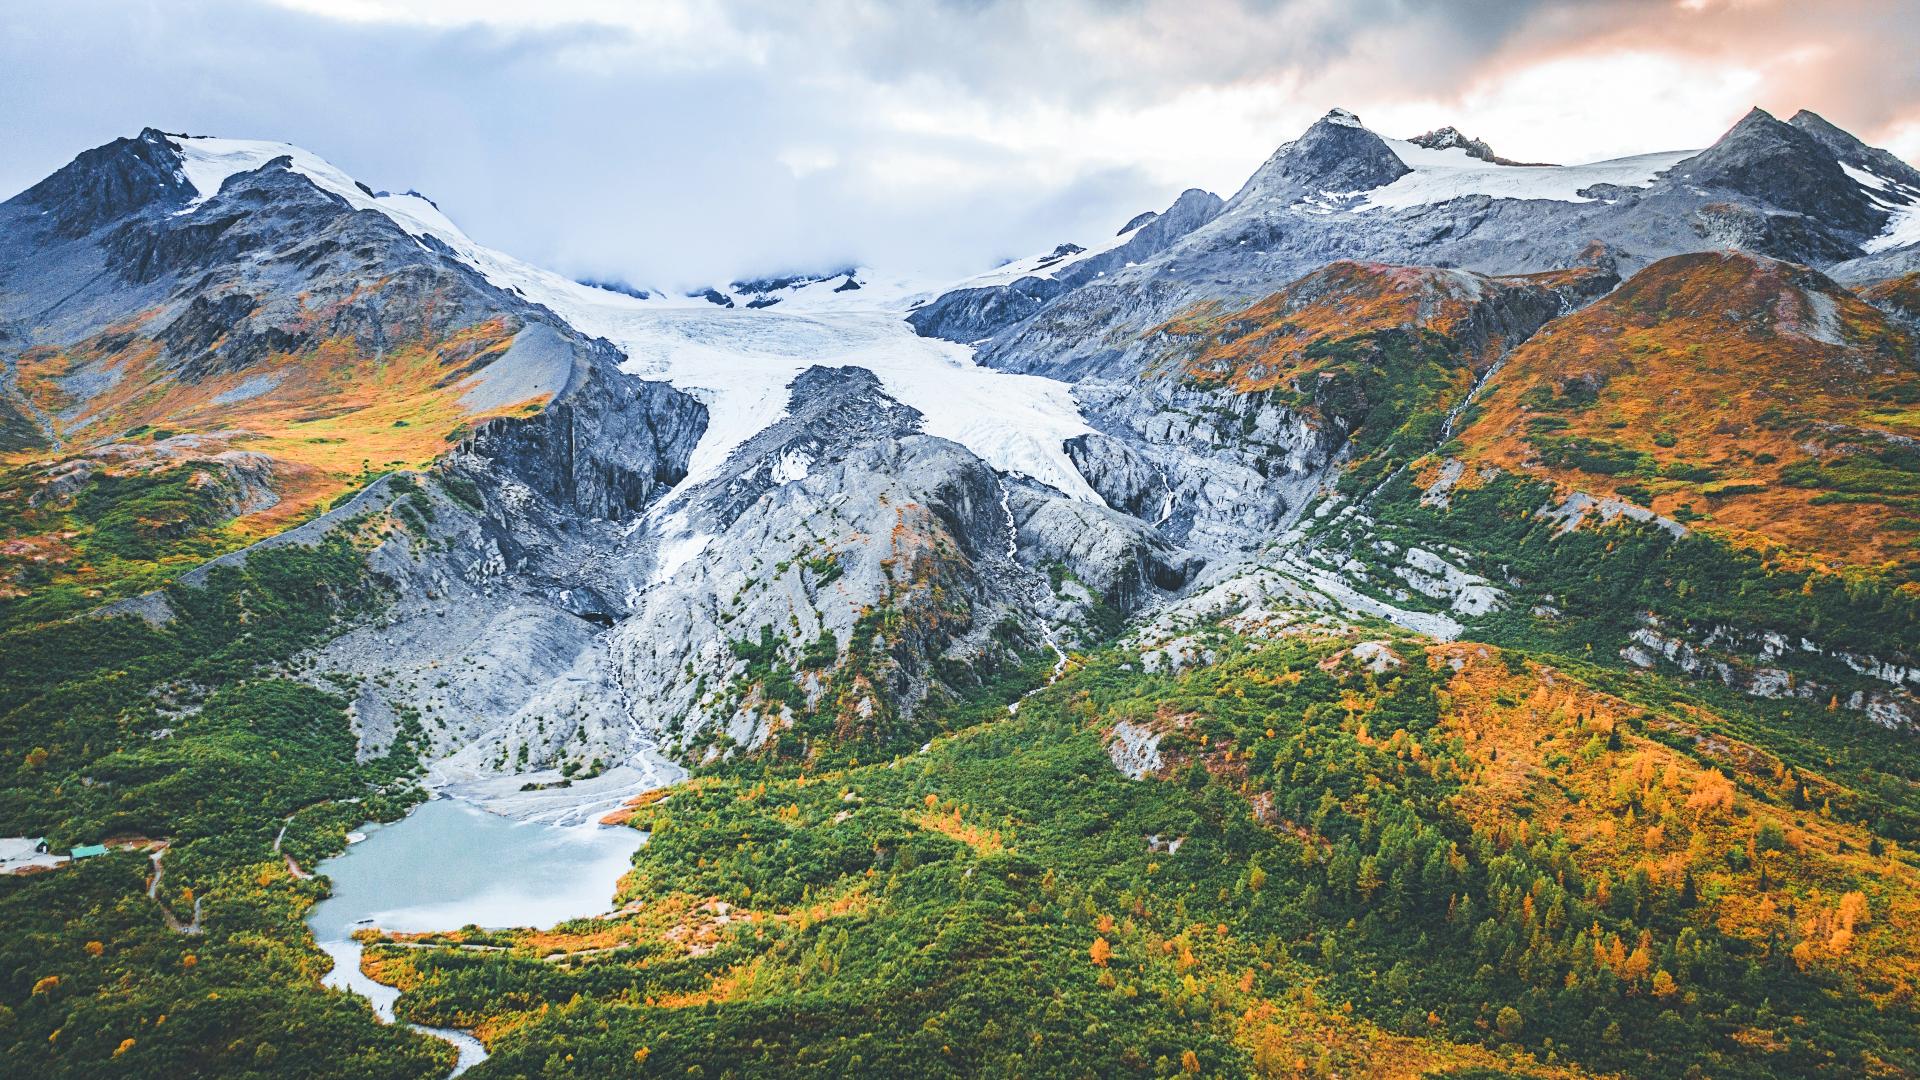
(449, 864)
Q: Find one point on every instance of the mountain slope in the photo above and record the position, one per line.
(1809, 390)
(264, 342)
(1423, 616)
(1341, 850)
(1341, 191)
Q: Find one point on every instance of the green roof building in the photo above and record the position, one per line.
(88, 851)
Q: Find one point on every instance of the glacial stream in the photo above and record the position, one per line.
(449, 865)
(1046, 628)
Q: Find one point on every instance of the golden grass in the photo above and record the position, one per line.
(332, 414)
(952, 824)
(1297, 1035)
(1898, 294)
(1265, 345)
(1721, 358)
(1539, 740)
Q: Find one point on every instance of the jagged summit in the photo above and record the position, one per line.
(1194, 207)
(1193, 202)
(1763, 157)
(1452, 138)
(1850, 151)
(1337, 154)
(108, 181)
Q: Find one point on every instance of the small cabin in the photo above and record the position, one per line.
(21, 847)
(88, 851)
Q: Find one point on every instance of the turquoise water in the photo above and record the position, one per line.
(448, 865)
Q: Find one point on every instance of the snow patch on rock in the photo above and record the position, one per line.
(791, 466)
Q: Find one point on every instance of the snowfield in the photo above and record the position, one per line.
(740, 362)
(1042, 265)
(207, 162)
(1440, 175)
(1903, 230)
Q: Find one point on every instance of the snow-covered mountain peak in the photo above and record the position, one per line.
(737, 360)
(1338, 154)
(1340, 164)
(1443, 138)
(208, 162)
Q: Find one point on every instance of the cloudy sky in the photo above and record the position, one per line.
(675, 141)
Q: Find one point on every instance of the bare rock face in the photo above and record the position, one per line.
(1217, 472)
(1786, 168)
(1124, 477)
(606, 448)
(1123, 562)
(1337, 153)
(971, 314)
(845, 567)
(108, 182)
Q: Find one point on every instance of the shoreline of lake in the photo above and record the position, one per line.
(450, 864)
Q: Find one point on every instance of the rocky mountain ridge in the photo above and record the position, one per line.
(541, 523)
(620, 567)
(1341, 191)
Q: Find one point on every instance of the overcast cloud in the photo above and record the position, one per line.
(682, 142)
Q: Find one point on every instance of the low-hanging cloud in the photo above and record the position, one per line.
(680, 142)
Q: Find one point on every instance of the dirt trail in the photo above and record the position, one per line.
(153, 892)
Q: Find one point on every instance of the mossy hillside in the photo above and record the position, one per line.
(1451, 867)
(158, 497)
(1583, 593)
(1749, 398)
(192, 734)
